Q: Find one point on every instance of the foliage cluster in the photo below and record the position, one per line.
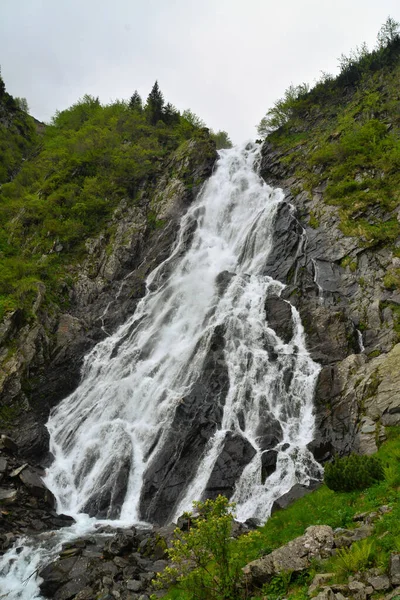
(221, 138)
(89, 158)
(344, 135)
(361, 62)
(17, 133)
(322, 507)
(354, 472)
(204, 562)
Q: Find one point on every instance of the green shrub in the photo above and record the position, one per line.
(206, 560)
(353, 472)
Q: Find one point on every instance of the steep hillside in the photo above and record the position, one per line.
(336, 154)
(94, 208)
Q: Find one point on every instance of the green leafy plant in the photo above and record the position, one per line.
(354, 472)
(357, 557)
(204, 564)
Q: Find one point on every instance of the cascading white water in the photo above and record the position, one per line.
(113, 425)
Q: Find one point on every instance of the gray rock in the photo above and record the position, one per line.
(8, 443)
(32, 480)
(356, 586)
(393, 595)
(3, 465)
(294, 556)
(296, 492)
(326, 594)
(319, 580)
(394, 568)
(379, 583)
(19, 470)
(196, 419)
(8, 495)
(121, 544)
(134, 585)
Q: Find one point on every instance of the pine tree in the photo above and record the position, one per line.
(155, 104)
(170, 115)
(135, 103)
(2, 86)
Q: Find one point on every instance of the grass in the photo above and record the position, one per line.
(87, 160)
(350, 143)
(325, 507)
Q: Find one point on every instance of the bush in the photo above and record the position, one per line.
(353, 472)
(204, 565)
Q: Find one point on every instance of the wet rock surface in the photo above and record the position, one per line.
(47, 352)
(236, 453)
(27, 506)
(336, 282)
(196, 419)
(121, 563)
(279, 317)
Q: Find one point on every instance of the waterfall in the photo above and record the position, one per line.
(109, 436)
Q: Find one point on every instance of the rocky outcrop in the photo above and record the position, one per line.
(27, 506)
(316, 543)
(41, 358)
(121, 562)
(337, 284)
(109, 563)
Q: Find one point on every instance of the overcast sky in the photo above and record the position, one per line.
(227, 60)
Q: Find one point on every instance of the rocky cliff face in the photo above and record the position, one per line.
(337, 282)
(41, 358)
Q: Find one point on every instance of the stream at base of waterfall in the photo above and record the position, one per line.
(116, 428)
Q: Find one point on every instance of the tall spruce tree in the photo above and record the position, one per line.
(135, 103)
(155, 104)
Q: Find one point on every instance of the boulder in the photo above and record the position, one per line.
(33, 481)
(122, 543)
(296, 492)
(8, 495)
(317, 542)
(63, 579)
(394, 568)
(7, 443)
(236, 453)
(379, 583)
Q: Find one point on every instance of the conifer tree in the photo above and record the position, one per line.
(135, 103)
(2, 86)
(170, 114)
(155, 104)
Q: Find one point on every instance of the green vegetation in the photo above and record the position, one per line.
(88, 159)
(353, 472)
(221, 138)
(17, 133)
(204, 562)
(358, 557)
(344, 134)
(322, 507)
